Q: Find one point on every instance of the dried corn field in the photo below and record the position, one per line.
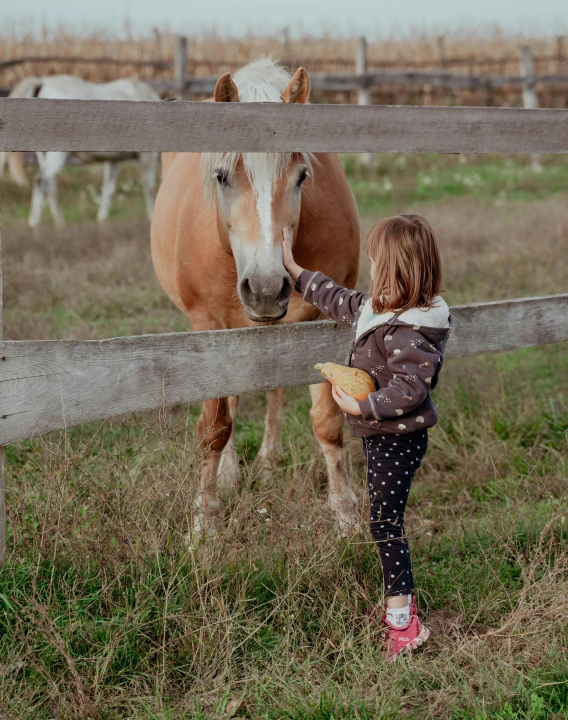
(100, 57)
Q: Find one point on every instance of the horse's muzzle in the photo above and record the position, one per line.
(265, 302)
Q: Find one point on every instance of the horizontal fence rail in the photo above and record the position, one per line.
(98, 60)
(340, 82)
(99, 125)
(295, 61)
(50, 385)
(344, 82)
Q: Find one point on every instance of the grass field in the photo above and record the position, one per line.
(105, 612)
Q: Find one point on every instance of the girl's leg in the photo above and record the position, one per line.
(391, 463)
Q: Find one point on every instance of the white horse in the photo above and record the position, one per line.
(68, 87)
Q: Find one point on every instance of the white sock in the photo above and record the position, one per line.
(399, 617)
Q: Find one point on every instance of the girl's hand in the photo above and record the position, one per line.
(287, 258)
(347, 403)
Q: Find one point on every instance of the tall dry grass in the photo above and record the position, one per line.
(109, 614)
(106, 613)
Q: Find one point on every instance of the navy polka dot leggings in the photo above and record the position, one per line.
(391, 461)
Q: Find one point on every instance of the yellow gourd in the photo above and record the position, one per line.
(353, 381)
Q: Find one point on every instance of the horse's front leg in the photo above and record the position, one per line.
(149, 167)
(229, 479)
(327, 422)
(110, 178)
(214, 431)
(50, 163)
(271, 449)
(38, 199)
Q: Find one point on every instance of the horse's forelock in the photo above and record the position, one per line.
(260, 81)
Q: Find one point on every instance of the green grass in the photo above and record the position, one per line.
(79, 189)
(408, 179)
(106, 612)
(396, 179)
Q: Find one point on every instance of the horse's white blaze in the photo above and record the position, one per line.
(264, 209)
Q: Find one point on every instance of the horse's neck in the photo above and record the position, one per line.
(167, 160)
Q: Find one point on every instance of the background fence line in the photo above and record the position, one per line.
(184, 81)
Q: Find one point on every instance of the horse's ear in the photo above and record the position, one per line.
(298, 90)
(226, 90)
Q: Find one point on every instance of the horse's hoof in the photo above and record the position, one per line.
(204, 536)
(349, 526)
(345, 509)
(207, 523)
(266, 468)
(229, 482)
(266, 478)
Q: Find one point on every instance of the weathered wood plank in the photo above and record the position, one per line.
(341, 82)
(47, 385)
(29, 124)
(450, 81)
(73, 59)
(530, 98)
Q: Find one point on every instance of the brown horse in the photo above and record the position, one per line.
(216, 249)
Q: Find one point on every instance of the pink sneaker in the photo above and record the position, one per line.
(409, 638)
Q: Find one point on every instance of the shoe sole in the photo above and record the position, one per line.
(414, 645)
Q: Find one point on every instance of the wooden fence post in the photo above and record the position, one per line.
(530, 99)
(180, 65)
(442, 50)
(3, 546)
(560, 49)
(158, 43)
(287, 60)
(363, 93)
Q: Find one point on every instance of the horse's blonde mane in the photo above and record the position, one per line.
(260, 81)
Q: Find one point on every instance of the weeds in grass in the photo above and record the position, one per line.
(106, 612)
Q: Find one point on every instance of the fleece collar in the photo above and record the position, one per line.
(436, 316)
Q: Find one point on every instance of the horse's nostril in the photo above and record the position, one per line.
(285, 291)
(246, 290)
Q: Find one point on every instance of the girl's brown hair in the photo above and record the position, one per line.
(407, 268)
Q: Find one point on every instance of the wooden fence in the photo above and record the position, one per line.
(47, 385)
(184, 81)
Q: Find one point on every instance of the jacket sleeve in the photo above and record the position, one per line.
(413, 360)
(338, 303)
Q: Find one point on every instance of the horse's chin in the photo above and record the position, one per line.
(262, 320)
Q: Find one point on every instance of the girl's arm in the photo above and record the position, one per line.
(413, 360)
(338, 303)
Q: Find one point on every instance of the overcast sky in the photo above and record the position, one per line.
(372, 17)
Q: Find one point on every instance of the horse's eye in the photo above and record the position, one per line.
(303, 176)
(222, 177)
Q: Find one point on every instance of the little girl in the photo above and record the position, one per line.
(399, 333)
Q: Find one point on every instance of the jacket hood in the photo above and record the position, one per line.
(433, 321)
